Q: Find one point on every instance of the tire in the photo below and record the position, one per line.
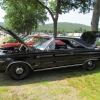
(18, 71)
(89, 65)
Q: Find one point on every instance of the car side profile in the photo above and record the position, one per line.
(49, 54)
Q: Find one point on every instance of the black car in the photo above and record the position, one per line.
(52, 53)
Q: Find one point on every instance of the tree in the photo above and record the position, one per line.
(56, 7)
(95, 16)
(22, 16)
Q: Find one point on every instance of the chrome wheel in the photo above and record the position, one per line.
(18, 70)
(89, 65)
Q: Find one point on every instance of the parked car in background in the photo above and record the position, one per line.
(47, 54)
(29, 41)
(11, 39)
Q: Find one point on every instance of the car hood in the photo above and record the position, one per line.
(15, 36)
(91, 38)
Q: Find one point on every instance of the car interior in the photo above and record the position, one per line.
(67, 44)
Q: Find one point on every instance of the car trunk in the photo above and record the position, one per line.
(91, 37)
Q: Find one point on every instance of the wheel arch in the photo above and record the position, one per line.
(89, 64)
(19, 62)
(89, 60)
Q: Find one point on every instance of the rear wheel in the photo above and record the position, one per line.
(89, 65)
(18, 71)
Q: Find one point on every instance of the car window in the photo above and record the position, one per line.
(74, 43)
(42, 43)
(52, 45)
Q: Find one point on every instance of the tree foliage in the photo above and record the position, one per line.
(23, 16)
(56, 7)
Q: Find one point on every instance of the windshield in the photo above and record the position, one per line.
(43, 43)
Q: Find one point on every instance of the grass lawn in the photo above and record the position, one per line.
(60, 84)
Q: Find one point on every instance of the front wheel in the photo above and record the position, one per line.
(89, 65)
(18, 71)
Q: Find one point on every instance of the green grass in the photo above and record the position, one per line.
(3, 89)
(60, 84)
(89, 85)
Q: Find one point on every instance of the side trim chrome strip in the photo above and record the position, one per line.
(57, 67)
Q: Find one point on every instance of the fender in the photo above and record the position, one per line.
(19, 62)
(89, 60)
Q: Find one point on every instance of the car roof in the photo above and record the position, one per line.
(88, 39)
(78, 40)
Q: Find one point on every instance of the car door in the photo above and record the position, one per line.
(80, 55)
(56, 58)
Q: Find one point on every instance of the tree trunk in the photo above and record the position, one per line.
(55, 28)
(95, 16)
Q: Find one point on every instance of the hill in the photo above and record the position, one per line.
(64, 27)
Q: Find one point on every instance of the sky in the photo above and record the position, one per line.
(2, 13)
(74, 17)
(71, 17)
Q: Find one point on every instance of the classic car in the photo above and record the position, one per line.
(12, 39)
(47, 54)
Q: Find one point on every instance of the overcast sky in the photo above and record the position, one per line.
(72, 17)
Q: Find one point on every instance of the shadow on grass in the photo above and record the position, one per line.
(49, 75)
